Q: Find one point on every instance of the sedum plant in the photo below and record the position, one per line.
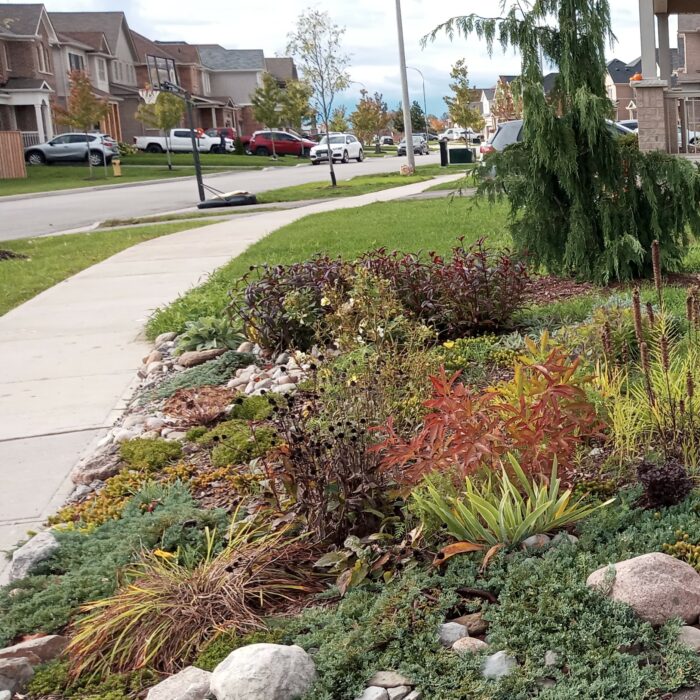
(503, 510)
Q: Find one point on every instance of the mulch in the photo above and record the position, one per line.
(11, 255)
(547, 289)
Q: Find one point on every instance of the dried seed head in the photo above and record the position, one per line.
(681, 406)
(656, 264)
(689, 385)
(650, 313)
(637, 313)
(607, 340)
(690, 308)
(665, 358)
(644, 354)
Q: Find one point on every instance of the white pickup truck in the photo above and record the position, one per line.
(180, 141)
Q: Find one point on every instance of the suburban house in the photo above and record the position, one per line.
(100, 44)
(27, 71)
(688, 71)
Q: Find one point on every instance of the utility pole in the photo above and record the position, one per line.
(408, 128)
(425, 103)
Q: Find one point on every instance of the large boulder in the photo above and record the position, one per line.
(43, 649)
(40, 547)
(269, 671)
(190, 684)
(656, 586)
(15, 674)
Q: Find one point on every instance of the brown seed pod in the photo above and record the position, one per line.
(650, 313)
(656, 265)
(637, 314)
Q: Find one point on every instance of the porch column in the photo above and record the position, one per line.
(40, 123)
(213, 117)
(648, 36)
(664, 48)
(48, 122)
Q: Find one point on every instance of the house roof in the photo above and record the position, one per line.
(283, 68)
(107, 23)
(92, 41)
(26, 84)
(507, 78)
(180, 50)
(218, 58)
(146, 47)
(20, 19)
(72, 40)
(549, 82)
(688, 23)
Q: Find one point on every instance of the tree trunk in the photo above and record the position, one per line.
(167, 150)
(334, 181)
(378, 147)
(87, 145)
(274, 152)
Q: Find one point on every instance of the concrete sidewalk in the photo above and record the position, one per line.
(69, 356)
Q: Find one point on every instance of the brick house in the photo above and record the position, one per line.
(27, 75)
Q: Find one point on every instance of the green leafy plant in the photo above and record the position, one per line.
(141, 453)
(166, 609)
(236, 442)
(500, 511)
(208, 333)
(214, 651)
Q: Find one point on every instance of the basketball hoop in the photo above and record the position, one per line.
(149, 95)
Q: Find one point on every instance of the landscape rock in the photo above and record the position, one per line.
(5, 695)
(564, 538)
(535, 541)
(103, 466)
(388, 679)
(154, 356)
(199, 357)
(124, 434)
(415, 695)
(374, 693)
(247, 346)
(39, 548)
(176, 435)
(398, 693)
(284, 388)
(469, 645)
(43, 648)
(688, 694)
(474, 622)
(165, 338)
(498, 665)
(155, 423)
(133, 421)
(150, 435)
(15, 674)
(450, 632)
(154, 367)
(282, 359)
(551, 658)
(190, 684)
(688, 636)
(596, 452)
(79, 492)
(269, 671)
(656, 586)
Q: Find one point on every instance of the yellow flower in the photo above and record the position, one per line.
(325, 301)
(448, 344)
(352, 379)
(163, 555)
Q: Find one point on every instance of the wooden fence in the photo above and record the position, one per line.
(11, 155)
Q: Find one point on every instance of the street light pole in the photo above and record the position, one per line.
(408, 129)
(425, 103)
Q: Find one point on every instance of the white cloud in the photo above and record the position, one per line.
(370, 37)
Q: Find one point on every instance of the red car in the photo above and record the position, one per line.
(285, 144)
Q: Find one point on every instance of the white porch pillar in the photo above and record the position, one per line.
(40, 123)
(648, 36)
(213, 117)
(664, 48)
(48, 121)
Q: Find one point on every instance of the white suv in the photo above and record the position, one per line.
(343, 147)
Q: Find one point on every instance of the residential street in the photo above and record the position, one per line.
(42, 214)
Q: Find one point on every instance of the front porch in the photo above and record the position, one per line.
(31, 116)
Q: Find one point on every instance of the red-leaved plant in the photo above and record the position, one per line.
(540, 414)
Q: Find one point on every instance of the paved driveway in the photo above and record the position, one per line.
(41, 215)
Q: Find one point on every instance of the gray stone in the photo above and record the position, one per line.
(415, 695)
(176, 435)
(44, 648)
(596, 452)
(100, 468)
(154, 356)
(282, 359)
(399, 692)
(450, 632)
(15, 674)
(564, 538)
(78, 493)
(199, 357)
(124, 434)
(247, 346)
(133, 421)
(469, 645)
(498, 665)
(551, 658)
(190, 684)
(374, 692)
(269, 671)
(155, 423)
(656, 586)
(688, 636)
(388, 679)
(535, 541)
(284, 388)
(474, 622)
(5, 695)
(165, 338)
(154, 367)
(40, 547)
(150, 435)
(688, 694)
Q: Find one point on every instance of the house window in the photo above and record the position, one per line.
(76, 62)
(47, 58)
(206, 84)
(101, 69)
(161, 70)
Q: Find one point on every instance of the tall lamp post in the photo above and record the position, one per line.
(425, 103)
(408, 129)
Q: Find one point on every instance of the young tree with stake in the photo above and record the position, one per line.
(370, 117)
(165, 114)
(84, 110)
(316, 44)
(266, 105)
(459, 102)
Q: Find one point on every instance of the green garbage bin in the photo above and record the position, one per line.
(461, 155)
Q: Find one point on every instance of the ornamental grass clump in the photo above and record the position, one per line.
(168, 607)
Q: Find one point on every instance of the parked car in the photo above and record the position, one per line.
(509, 133)
(384, 140)
(430, 137)
(420, 146)
(180, 141)
(453, 134)
(217, 131)
(71, 148)
(342, 146)
(286, 144)
(631, 124)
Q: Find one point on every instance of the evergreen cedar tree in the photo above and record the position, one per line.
(582, 202)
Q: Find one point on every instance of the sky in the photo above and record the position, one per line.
(370, 38)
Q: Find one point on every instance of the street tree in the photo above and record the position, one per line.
(266, 101)
(437, 124)
(84, 110)
(507, 104)
(417, 117)
(583, 201)
(316, 45)
(370, 117)
(459, 102)
(165, 114)
(296, 104)
(339, 120)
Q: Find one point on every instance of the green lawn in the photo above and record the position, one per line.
(229, 160)
(408, 225)
(44, 178)
(52, 259)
